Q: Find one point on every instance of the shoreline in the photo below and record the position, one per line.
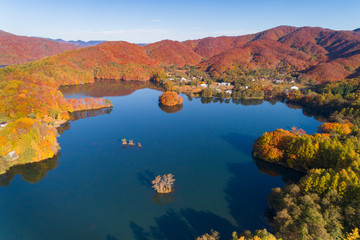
(7, 162)
(189, 91)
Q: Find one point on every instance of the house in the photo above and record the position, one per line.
(3, 124)
(203, 85)
(172, 79)
(12, 154)
(183, 80)
(246, 87)
(294, 88)
(228, 91)
(218, 90)
(279, 81)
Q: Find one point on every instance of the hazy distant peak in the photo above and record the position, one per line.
(80, 43)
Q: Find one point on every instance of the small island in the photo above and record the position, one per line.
(170, 99)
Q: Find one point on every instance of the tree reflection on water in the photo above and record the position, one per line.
(32, 172)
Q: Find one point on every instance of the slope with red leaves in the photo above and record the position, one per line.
(322, 54)
(18, 49)
(172, 53)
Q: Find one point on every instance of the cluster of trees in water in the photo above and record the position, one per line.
(325, 203)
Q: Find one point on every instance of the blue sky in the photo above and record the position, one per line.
(149, 21)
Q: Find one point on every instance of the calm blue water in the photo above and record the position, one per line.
(96, 189)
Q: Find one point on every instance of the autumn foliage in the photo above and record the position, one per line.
(303, 151)
(320, 54)
(339, 128)
(170, 99)
(18, 49)
(172, 53)
(29, 140)
(88, 103)
(171, 109)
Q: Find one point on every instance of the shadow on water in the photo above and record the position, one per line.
(139, 232)
(170, 109)
(321, 116)
(241, 142)
(162, 199)
(146, 178)
(244, 102)
(32, 172)
(185, 224)
(250, 214)
(109, 237)
(287, 175)
(81, 115)
(107, 88)
(89, 113)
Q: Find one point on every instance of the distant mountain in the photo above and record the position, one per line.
(357, 31)
(79, 42)
(19, 49)
(172, 53)
(315, 53)
(109, 60)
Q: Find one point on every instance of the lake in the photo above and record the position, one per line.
(98, 189)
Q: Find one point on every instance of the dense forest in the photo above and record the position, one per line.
(325, 202)
(308, 52)
(19, 49)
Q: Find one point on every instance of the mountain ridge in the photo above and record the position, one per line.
(311, 52)
(80, 43)
(16, 49)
